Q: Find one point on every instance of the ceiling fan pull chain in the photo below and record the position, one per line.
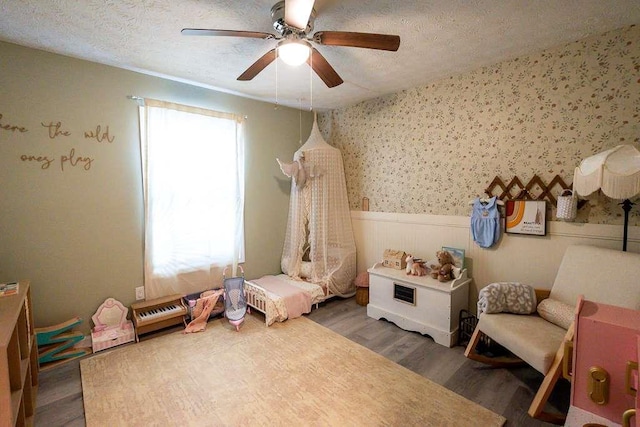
(311, 83)
(276, 78)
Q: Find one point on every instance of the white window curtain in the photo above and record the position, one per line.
(193, 179)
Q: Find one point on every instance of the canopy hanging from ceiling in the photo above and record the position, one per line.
(319, 243)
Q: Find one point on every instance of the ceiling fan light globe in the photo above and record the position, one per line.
(294, 53)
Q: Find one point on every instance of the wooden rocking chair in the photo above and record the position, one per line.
(539, 340)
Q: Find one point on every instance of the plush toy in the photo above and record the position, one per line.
(299, 171)
(295, 170)
(415, 267)
(444, 271)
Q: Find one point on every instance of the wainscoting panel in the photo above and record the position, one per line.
(533, 260)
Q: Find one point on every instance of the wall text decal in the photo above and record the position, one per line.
(54, 129)
(44, 161)
(65, 160)
(11, 128)
(72, 160)
(99, 135)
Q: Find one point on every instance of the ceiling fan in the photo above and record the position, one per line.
(293, 21)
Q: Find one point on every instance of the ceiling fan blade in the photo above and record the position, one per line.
(258, 66)
(365, 40)
(225, 33)
(297, 13)
(323, 69)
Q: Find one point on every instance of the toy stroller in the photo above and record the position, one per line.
(235, 303)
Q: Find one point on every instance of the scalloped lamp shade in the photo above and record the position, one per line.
(616, 172)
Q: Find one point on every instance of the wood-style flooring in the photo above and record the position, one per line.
(504, 391)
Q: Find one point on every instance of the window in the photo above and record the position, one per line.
(193, 177)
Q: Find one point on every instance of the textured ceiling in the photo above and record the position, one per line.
(438, 38)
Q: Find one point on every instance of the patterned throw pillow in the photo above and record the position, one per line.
(507, 297)
(556, 312)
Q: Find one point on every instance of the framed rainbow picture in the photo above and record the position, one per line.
(526, 217)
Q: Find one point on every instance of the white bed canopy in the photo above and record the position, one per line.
(319, 243)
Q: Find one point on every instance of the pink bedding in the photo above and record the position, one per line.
(296, 300)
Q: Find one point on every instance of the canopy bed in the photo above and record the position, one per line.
(319, 254)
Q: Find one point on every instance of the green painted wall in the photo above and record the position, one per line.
(74, 226)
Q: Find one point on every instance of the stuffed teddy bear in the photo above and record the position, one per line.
(415, 267)
(444, 271)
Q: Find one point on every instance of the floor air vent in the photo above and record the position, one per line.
(404, 294)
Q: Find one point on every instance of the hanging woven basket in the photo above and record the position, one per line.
(567, 207)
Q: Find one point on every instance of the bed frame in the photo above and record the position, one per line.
(256, 297)
(259, 299)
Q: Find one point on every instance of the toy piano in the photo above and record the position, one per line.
(156, 314)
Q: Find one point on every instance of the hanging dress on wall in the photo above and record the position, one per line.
(319, 222)
(485, 222)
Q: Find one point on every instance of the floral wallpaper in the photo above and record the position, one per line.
(432, 149)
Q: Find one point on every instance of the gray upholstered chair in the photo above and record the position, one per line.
(602, 275)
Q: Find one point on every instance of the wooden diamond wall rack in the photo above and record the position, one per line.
(535, 189)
